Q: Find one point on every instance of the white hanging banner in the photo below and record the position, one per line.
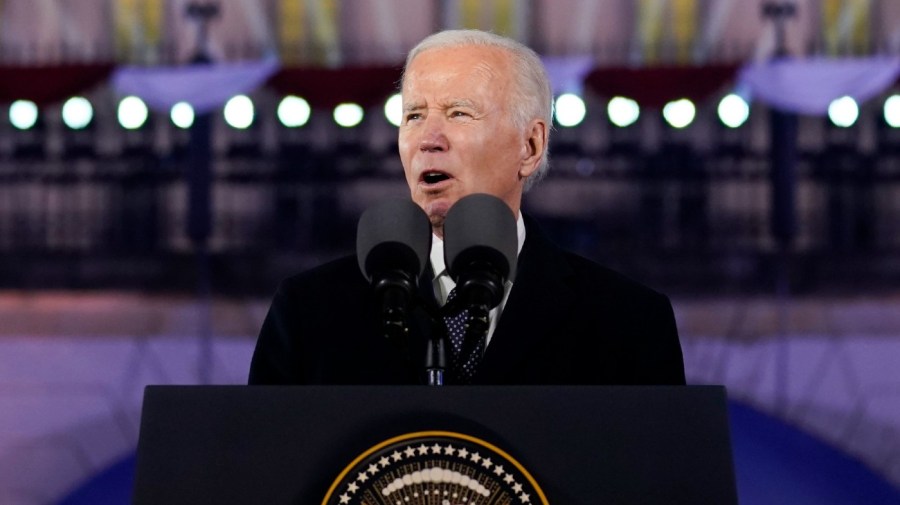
(205, 87)
(808, 86)
(567, 73)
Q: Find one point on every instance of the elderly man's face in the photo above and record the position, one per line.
(457, 135)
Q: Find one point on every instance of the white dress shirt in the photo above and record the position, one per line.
(443, 284)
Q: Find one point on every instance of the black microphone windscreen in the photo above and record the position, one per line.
(393, 235)
(481, 227)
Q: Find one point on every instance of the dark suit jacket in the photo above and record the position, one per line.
(567, 321)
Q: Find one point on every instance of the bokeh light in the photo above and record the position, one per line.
(679, 113)
(239, 112)
(132, 113)
(77, 113)
(393, 109)
(843, 112)
(348, 115)
(293, 111)
(182, 115)
(23, 114)
(733, 111)
(892, 111)
(570, 110)
(623, 111)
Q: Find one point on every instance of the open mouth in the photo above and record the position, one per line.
(434, 177)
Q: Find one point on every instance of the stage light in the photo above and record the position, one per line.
(843, 112)
(239, 112)
(132, 113)
(623, 111)
(569, 110)
(679, 113)
(393, 109)
(348, 115)
(23, 114)
(733, 111)
(182, 114)
(892, 111)
(293, 111)
(77, 113)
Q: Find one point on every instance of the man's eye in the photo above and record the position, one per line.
(459, 113)
(413, 116)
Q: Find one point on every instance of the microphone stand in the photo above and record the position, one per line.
(436, 359)
(397, 297)
(436, 347)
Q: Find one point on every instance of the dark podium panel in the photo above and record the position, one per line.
(584, 445)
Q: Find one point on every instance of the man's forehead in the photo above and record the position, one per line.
(471, 59)
(453, 66)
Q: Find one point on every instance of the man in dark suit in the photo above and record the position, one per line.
(476, 119)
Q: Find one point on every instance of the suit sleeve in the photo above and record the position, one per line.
(276, 359)
(664, 362)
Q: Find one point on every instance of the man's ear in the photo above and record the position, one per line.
(535, 145)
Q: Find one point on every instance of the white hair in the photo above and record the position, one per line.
(532, 98)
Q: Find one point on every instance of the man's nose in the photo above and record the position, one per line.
(434, 138)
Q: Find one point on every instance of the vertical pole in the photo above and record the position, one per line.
(783, 177)
(783, 181)
(199, 223)
(199, 182)
(783, 126)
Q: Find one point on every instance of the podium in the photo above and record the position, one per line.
(574, 445)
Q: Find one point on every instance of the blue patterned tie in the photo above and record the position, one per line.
(464, 355)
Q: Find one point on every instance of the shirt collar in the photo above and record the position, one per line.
(437, 248)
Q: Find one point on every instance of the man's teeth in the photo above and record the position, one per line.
(434, 177)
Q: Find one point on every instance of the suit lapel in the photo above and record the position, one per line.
(538, 304)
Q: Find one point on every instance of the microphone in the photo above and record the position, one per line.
(393, 243)
(480, 249)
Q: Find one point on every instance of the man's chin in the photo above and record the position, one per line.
(437, 212)
(437, 209)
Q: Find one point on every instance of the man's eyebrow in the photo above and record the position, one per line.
(413, 106)
(462, 102)
(456, 102)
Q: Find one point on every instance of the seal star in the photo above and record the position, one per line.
(373, 469)
(410, 452)
(384, 462)
(498, 470)
(396, 456)
(475, 457)
(508, 478)
(525, 498)
(352, 488)
(435, 449)
(449, 450)
(422, 450)
(486, 462)
(345, 498)
(517, 488)
(362, 477)
(463, 453)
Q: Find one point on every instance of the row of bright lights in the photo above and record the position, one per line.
(293, 111)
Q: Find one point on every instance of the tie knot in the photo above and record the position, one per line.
(453, 305)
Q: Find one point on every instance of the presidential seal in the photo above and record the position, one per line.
(434, 468)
